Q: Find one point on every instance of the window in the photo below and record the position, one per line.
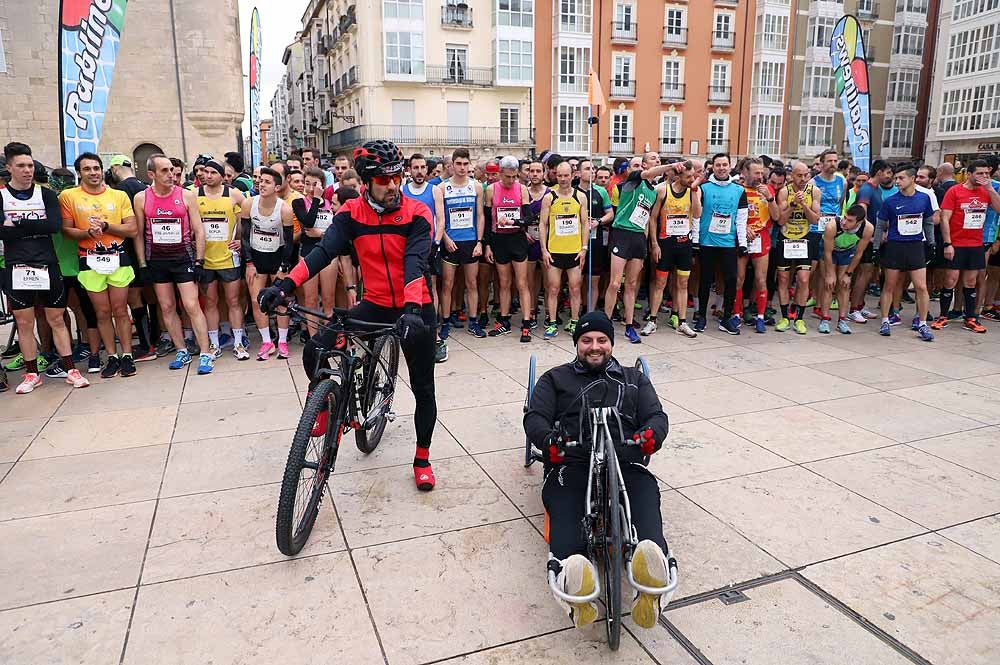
(866, 39)
(574, 64)
(769, 82)
(621, 132)
(908, 39)
(624, 15)
(718, 134)
(773, 31)
(897, 133)
(623, 84)
(518, 13)
(816, 131)
(820, 31)
(510, 123)
(818, 82)
(572, 132)
(670, 133)
(723, 34)
(915, 6)
(904, 85)
(404, 53)
(673, 79)
(867, 7)
(403, 8)
(457, 60)
(514, 60)
(719, 90)
(974, 50)
(765, 134)
(966, 8)
(574, 16)
(971, 109)
(675, 26)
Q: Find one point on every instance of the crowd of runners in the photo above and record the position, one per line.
(102, 271)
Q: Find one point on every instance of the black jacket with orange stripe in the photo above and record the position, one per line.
(393, 247)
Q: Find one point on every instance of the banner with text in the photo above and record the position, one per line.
(847, 55)
(255, 45)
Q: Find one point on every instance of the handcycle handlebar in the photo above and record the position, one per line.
(339, 315)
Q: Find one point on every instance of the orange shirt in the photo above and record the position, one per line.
(111, 205)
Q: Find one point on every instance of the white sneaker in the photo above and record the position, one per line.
(857, 317)
(578, 578)
(30, 382)
(686, 330)
(75, 379)
(868, 314)
(240, 352)
(649, 568)
(215, 352)
(649, 328)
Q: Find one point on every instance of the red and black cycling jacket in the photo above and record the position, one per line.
(392, 249)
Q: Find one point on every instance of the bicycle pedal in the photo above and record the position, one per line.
(390, 416)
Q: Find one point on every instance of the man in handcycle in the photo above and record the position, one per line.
(553, 418)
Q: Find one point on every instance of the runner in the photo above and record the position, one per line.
(963, 216)
(458, 202)
(721, 235)
(762, 207)
(844, 243)
(507, 212)
(833, 187)
(171, 248)
(800, 202)
(101, 220)
(30, 216)
(288, 194)
(601, 215)
(316, 215)
(905, 215)
(536, 192)
(267, 227)
(563, 227)
(671, 248)
(219, 207)
(879, 187)
(310, 160)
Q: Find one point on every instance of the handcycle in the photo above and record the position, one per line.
(607, 522)
(356, 392)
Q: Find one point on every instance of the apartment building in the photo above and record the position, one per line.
(964, 118)
(281, 143)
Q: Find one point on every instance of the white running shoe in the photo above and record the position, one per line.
(685, 329)
(30, 382)
(649, 328)
(868, 314)
(75, 379)
(578, 578)
(240, 352)
(857, 317)
(649, 568)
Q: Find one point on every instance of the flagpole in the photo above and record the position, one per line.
(590, 195)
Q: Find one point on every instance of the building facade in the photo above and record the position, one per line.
(964, 119)
(163, 98)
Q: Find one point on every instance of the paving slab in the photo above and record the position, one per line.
(724, 396)
(71, 435)
(250, 459)
(484, 428)
(960, 397)
(803, 384)
(896, 417)
(977, 449)
(980, 536)
(17, 435)
(879, 374)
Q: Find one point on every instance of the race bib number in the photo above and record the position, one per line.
(720, 224)
(216, 230)
(567, 225)
(533, 232)
(974, 220)
(166, 232)
(678, 225)
(755, 246)
(911, 225)
(639, 216)
(823, 221)
(29, 278)
(103, 264)
(796, 249)
(262, 241)
(324, 218)
(508, 218)
(460, 218)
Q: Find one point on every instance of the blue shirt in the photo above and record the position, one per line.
(460, 210)
(906, 216)
(872, 196)
(426, 197)
(719, 207)
(992, 218)
(829, 202)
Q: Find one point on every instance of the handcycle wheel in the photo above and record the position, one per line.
(611, 552)
(379, 387)
(310, 461)
(642, 366)
(532, 369)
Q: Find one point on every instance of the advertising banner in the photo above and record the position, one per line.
(255, 44)
(847, 55)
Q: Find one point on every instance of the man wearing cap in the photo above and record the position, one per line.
(558, 398)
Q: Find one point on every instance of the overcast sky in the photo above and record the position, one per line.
(279, 21)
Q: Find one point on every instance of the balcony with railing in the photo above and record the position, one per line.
(349, 19)
(674, 37)
(457, 15)
(723, 40)
(457, 74)
(868, 11)
(672, 145)
(671, 91)
(720, 94)
(624, 145)
(622, 88)
(769, 94)
(572, 83)
(433, 135)
(730, 3)
(717, 145)
(624, 32)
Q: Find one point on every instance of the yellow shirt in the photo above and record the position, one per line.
(219, 218)
(675, 214)
(111, 206)
(564, 224)
(296, 226)
(797, 226)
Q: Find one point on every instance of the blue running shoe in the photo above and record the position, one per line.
(81, 352)
(206, 363)
(445, 330)
(699, 324)
(925, 333)
(730, 326)
(181, 359)
(225, 341)
(632, 335)
(759, 326)
(885, 330)
(916, 323)
(894, 319)
(475, 329)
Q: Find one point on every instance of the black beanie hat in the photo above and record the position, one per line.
(215, 166)
(595, 321)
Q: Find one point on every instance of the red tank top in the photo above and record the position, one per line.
(167, 234)
(507, 208)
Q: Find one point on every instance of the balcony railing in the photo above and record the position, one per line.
(623, 88)
(770, 94)
(432, 135)
(674, 37)
(459, 75)
(622, 31)
(868, 10)
(732, 3)
(723, 40)
(671, 91)
(720, 94)
(352, 76)
(624, 145)
(718, 145)
(672, 146)
(349, 19)
(572, 83)
(911, 6)
(456, 16)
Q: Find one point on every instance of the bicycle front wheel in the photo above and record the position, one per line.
(377, 392)
(612, 553)
(310, 461)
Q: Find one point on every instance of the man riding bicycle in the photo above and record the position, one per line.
(391, 235)
(553, 418)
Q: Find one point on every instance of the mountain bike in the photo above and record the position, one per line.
(357, 382)
(611, 537)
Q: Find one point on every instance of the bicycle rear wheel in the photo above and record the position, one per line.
(310, 461)
(379, 387)
(612, 551)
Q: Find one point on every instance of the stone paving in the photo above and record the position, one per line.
(848, 485)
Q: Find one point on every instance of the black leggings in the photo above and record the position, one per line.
(419, 355)
(563, 495)
(89, 314)
(710, 258)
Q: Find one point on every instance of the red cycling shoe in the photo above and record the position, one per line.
(424, 477)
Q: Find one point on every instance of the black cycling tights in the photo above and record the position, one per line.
(711, 258)
(419, 354)
(564, 492)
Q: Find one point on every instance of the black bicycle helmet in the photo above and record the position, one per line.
(376, 158)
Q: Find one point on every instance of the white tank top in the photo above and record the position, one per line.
(266, 233)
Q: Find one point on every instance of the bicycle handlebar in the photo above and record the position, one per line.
(340, 315)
